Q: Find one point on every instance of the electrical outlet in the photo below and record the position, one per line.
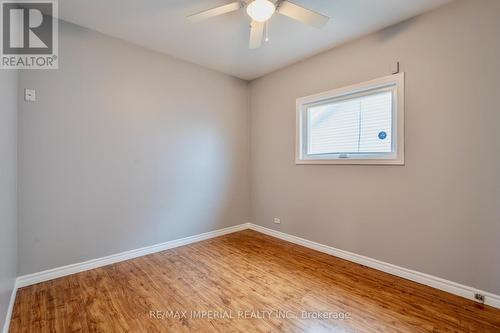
(277, 220)
(479, 297)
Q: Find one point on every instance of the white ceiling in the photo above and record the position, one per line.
(221, 43)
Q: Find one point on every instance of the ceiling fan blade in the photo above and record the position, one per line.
(256, 34)
(302, 14)
(215, 12)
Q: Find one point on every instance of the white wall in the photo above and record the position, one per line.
(438, 214)
(126, 148)
(8, 188)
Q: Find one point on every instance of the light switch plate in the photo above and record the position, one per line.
(30, 95)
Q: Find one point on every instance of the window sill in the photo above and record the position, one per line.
(352, 161)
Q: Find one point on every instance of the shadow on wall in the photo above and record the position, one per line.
(394, 30)
(199, 194)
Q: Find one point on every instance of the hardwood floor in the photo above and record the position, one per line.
(244, 271)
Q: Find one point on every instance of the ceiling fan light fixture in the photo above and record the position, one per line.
(261, 10)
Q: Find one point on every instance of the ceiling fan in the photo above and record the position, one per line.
(260, 11)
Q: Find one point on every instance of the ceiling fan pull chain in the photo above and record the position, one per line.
(266, 39)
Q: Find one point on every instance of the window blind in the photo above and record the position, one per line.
(357, 125)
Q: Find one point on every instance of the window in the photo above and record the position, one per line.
(360, 124)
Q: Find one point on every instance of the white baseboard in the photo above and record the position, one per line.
(58, 272)
(422, 278)
(8, 316)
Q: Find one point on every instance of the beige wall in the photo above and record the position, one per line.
(8, 188)
(438, 214)
(126, 148)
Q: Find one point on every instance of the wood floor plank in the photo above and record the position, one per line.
(261, 283)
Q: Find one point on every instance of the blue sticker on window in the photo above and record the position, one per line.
(382, 135)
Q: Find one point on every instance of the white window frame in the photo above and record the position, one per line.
(394, 83)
